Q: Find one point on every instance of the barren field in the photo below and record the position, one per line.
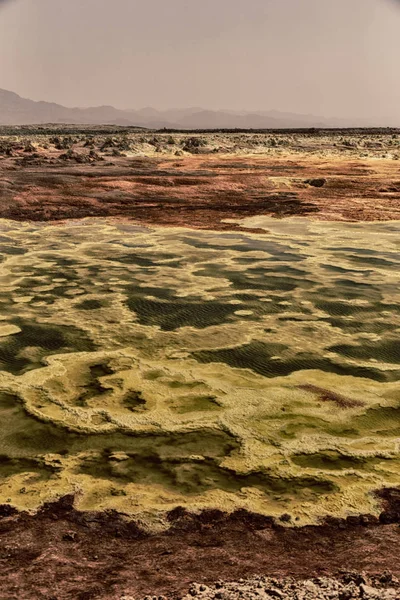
(199, 180)
(199, 364)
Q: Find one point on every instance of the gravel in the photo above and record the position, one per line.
(348, 587)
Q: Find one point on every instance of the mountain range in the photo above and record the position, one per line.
(15, 110)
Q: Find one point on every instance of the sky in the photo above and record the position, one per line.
(332, 58)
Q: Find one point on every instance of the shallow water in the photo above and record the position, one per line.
(150, 368)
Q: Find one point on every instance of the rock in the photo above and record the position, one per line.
(194, 145)
(285, 518)
(320, 588)
(318, 182)
(273, 593)
(386, 577)
(389, 516)
(7, 511)
(351, 577)
(70, 536)
(369, 593)
(368, 520)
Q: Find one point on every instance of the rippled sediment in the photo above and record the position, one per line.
(150, 368)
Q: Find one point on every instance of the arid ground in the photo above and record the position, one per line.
(199, 180)
(199, 364)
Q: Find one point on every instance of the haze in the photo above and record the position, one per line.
(336, 59)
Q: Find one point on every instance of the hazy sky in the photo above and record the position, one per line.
(326, 57)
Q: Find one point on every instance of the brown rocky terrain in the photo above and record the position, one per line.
(199, 180)
(60, 553)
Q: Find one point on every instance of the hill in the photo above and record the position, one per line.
(15, 110)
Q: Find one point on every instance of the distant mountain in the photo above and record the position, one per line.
(15, 110)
